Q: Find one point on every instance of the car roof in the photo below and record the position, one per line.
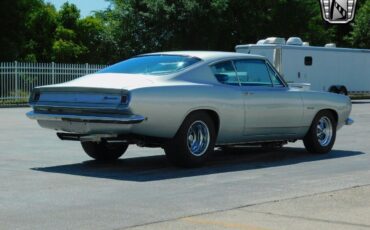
(209, 55)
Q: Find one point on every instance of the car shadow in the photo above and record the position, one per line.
(153, 168)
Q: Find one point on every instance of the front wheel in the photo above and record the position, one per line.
(104, 151)
(321, 136)
(194, 141)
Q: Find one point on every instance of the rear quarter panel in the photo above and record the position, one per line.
(166, 107)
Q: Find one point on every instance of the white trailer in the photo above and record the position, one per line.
(338, 70)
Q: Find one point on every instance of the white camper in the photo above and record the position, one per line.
(329, 68)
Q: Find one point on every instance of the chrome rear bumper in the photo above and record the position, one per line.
(349, 121)
(122, 119)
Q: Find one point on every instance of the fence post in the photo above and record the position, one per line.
(87, 68)
(16, 79)
(53, 73)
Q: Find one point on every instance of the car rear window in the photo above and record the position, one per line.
(152, 64)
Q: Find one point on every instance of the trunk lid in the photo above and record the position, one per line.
(107, 81)
(106, 90)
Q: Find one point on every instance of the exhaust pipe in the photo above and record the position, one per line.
(86, 137)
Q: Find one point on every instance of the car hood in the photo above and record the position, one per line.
(108, 81)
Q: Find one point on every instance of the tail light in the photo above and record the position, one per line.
(35, 96)
(124, 99)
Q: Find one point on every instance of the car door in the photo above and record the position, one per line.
(272, 111)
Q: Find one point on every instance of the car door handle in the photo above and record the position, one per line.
(248, 93)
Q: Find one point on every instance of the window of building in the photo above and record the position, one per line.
(308, 60)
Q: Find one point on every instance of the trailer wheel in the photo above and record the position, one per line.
(333, 89)
(343, 90)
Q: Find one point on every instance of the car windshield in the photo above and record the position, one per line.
(152, 64)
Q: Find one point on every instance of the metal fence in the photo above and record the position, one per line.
(17, 79)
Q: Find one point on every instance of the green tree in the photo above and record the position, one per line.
(95, 36)
(40, 31)
(360, 35)
(66, 46)
(68, 16)
(66, 51)
(34, 31)
(147, 25)
(13, 15)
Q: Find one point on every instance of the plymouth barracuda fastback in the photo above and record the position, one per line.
(188, 103)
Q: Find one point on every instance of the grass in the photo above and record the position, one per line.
(360, 96)
(13, 102)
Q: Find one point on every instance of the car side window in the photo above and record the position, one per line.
(225, 73)
(274, 77)
(252, 73)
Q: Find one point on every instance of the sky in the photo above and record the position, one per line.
(85, 6)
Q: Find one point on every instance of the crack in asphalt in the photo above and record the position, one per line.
(311, 219)
(261, 203)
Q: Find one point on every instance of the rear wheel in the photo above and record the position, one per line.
(321, 136)
(194, 141)
(104, 151)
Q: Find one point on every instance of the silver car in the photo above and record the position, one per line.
(188, 103)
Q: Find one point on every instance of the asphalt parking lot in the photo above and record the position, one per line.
(51, 184)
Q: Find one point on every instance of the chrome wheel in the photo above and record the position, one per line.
(198, 138)
(194, 141)
(320, 137)
(324, 131)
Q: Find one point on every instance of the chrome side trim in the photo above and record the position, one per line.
(124, 119)
(349, 121)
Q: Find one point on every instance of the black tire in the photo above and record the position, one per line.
(316, 143)
(104, 151)
(177, 150)
(334, 89)
(343, 90)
